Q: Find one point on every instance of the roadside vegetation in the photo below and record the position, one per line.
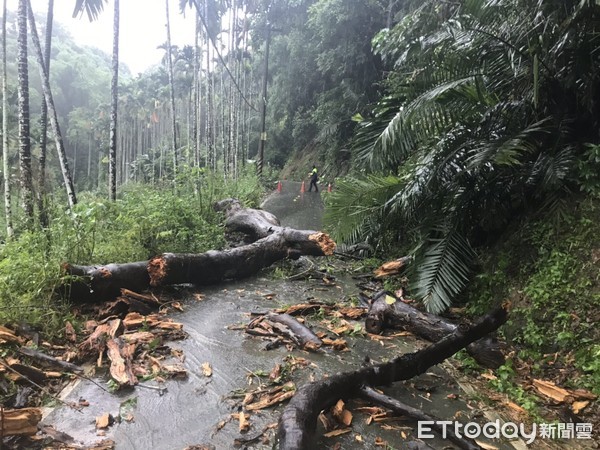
(143, 222)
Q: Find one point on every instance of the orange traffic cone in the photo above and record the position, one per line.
(302, 188)
(279, 186)
(329, 187)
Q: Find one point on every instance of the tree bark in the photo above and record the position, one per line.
(19, 421)
(400, 315)
(370, 394)
(60, 146)
(26, 177)
(106, 282)
(114, 99)
(41, 193)
(214, 266)
(5, 165)
(298, 421)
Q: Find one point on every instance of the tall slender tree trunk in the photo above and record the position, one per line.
(171, 89)
(60, 147)
(196, 94)
(41, 192)
(263, 114)
(26, 180)
(5, 166)
(114, 93)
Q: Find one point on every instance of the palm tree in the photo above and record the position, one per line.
(171, 88)
(486, 110)
(26, 179)
(5, 167)
(60, 147)
(114, 92)
(41, 192)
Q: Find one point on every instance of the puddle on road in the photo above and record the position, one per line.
(188, 413)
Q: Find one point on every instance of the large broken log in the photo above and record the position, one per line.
(239, 262)
(298, 421)
(270, 243)
(387, 311)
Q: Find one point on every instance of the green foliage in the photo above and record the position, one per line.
(589, 169)
(547, 271)
(145, 221)
(471, 130)
(504, 383)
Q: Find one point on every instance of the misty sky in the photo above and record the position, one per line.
(142, 28)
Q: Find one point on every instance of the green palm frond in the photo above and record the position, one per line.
(508, 149)
(355, 209)
(92, 8)
(443, 269)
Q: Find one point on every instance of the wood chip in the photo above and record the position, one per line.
(103, 421)
(342, 415)
(22, 421)
(207, 369)
(551, 390)
(338, 432)
(579, 406)
(8, 336)
(121, 355)
(242, 418)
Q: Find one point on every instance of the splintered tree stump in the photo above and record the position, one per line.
(298, 421)
(399, 315)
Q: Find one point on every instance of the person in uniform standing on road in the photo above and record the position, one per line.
(314, 177)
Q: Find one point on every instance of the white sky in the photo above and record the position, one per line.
(142, 28)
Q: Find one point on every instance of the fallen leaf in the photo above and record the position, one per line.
(380, 442)
(207, 369)
(177, 306)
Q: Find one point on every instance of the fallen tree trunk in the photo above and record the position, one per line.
(387, 311)
(298, 421)
(270, 243)
(239, 262)
(370, 394)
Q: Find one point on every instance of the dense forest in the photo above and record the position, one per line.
(463, 134)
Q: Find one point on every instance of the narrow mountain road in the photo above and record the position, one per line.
(199, 409)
